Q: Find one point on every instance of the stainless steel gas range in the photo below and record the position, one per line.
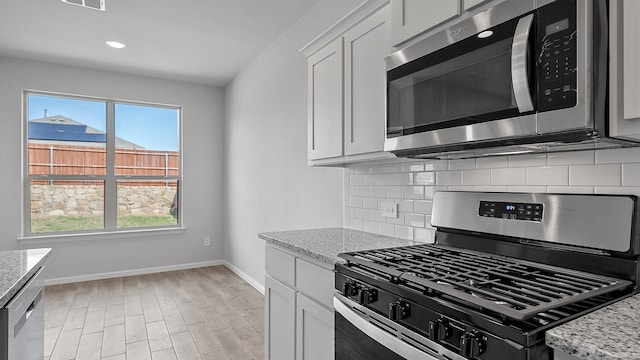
(504, 268)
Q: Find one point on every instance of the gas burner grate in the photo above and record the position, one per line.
(514, 288)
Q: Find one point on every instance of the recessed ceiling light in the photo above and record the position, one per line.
(485, 34)
(115, 44)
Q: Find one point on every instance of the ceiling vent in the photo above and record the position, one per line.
(91, 4)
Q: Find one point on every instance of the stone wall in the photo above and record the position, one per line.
(86, 200)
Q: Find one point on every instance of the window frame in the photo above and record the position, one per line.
(110, 178)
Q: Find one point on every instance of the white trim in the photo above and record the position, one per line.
(52, 238)
(258, 286)
(116, 274)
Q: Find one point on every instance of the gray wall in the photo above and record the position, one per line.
(268, 185)
(203, 117)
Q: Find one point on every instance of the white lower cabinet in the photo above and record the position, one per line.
(314, 330)
(299, 314)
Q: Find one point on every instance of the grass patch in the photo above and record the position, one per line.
(54, 224)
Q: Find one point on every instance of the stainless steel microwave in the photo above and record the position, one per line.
(523, 76)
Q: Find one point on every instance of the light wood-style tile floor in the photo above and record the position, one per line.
(197, 314)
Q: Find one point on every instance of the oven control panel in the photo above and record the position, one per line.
(511, 211)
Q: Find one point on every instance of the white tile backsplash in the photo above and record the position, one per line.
(412, 185)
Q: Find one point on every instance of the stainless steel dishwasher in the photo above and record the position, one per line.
(22, 323)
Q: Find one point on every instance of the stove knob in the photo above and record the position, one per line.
(349, 288)
(367, 296)
(472, 344)
(439, 330)
(399, 310)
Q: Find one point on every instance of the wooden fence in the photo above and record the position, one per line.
(48, 159)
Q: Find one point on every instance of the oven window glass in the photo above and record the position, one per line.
(465, 83)
(353, 344)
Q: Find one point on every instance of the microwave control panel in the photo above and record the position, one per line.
(511, 211)
(557, 58)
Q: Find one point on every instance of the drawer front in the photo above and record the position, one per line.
(280, 265)
(315, 282)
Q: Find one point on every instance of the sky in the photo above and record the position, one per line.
(154, 128)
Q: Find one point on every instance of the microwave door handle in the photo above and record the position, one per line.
(519, 64)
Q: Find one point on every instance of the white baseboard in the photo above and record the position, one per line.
(245, 277)
(116, 274)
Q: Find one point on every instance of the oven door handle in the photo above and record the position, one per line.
(384, 338)
(520, 64)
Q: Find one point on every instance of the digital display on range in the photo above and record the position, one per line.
(511, 211)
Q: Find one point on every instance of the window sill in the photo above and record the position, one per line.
(111, 235)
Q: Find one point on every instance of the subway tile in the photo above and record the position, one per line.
(363, 190)
(370, 226)
(345, 195)
(413, 168)
(449, 178)
(369, 203)
(424, 178)
(403, 232)
(369, 180)
(355, 202)
(427, 221)
(595, 175)
(405, 205)
(570, 189)
(617, 156)
(527, 160)
(387, 169)
(462, 164)
(363, 214)
(376, 215)
(363, 170)
(424, 235)
(462, 188)
(548, 175)
(492, 188)
(386, 179)
(399, 220)
(394, 192)
(414, 220)
(428, 192)
(355, 180)
(353, 190)
(352, 212)
(403, 179)
(414, 192)
(508, 176)
(631, 174)
(476, 177)
(378, 191)
(346, 220)
(627, 190)
(355, 224)
(571, 158)
(386, 229)
(492, 162)
(423, 207)
(527, 189)
(436, 165)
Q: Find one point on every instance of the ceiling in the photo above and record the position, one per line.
(202, 41)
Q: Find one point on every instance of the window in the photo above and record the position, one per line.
(96, 165)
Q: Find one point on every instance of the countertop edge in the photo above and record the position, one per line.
(297, 249)
(15, 288)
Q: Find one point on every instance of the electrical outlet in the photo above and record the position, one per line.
(207, 241)
(389, 208)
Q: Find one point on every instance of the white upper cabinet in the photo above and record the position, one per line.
(366, 46)
(410, 18)
(325, 96)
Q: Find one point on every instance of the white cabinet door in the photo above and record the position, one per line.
(280, 320)
(314, 331)
(366, 46)
(410, 18)
(631, 50)
(325, 96)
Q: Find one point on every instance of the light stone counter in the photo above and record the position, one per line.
(611, 333)
(325, 244)
(16, 268)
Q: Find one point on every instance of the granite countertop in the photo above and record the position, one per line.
(611, 333)
(16, 268)
(325, 244)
